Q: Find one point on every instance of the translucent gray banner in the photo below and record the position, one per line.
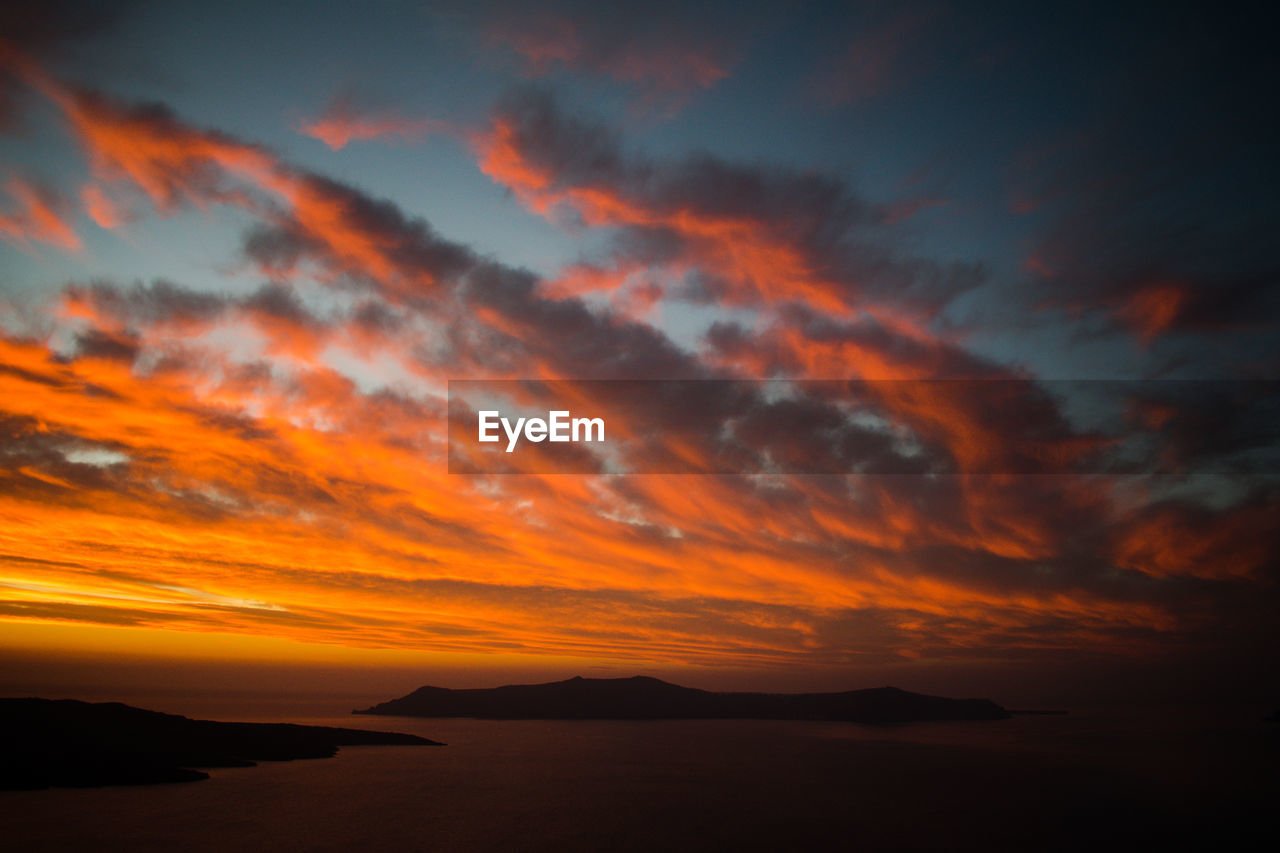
(942, 427)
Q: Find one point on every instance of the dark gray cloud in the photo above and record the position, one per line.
(664, 51)
(95, 343)
(694, 209)
(408, 255)
(160, 303)
(1160, 209)
(47, 31)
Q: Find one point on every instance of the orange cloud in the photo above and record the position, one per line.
(1183, 541)
(342, 122)
(760, 265)
(1155, 309)
(754, 236)
(37, 218)
(172, 163)
(101, 208)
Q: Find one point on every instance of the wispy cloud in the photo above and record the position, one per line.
(344, 121)
(39, 216)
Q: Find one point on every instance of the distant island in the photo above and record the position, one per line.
(71, 744)
(643, 698)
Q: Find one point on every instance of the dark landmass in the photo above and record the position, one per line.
(642, 698)
(70, 744)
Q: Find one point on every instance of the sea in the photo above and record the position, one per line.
(1089, 779)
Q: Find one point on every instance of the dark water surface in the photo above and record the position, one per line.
(1102, 780)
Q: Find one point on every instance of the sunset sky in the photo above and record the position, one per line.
(244, 249)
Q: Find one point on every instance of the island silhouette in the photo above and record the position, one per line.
(71, 744)
(644, 698)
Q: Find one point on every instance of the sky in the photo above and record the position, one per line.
(1028, 250)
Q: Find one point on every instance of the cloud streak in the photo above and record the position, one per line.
(39, 217)
(344, 121)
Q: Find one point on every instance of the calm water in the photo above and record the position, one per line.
(1090, 780)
